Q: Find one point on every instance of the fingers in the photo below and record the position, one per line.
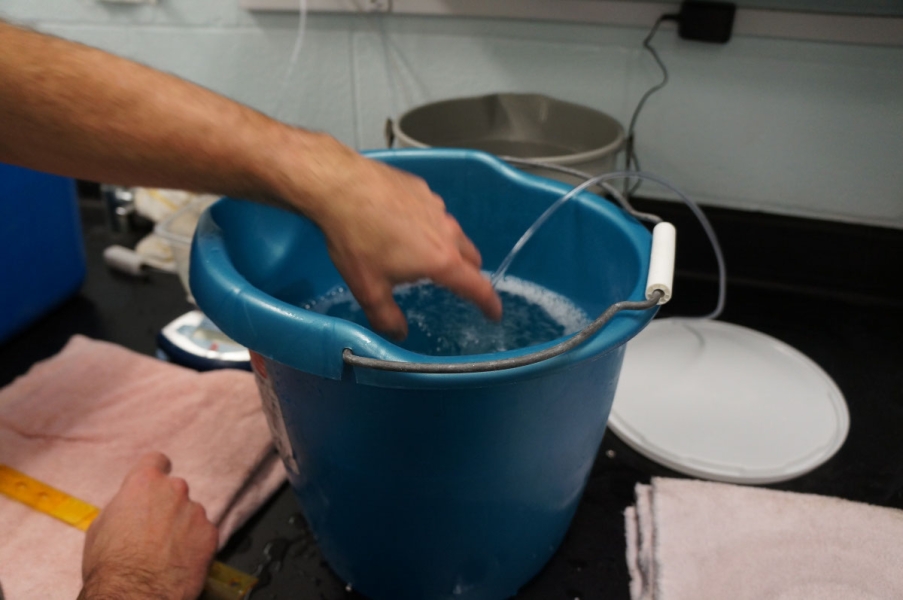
(382, 311)
(392, 229)
(151, 538)
(201, 526)
(179, 486)
(208, 534)
(459, 271)
(153, 460)
(466, 247)
(469, 252)
(467, 281)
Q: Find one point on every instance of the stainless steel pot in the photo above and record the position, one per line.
(530, 126)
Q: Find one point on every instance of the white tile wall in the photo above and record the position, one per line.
(762, 124)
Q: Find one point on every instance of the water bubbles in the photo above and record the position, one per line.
(560, 309)
(441, 324)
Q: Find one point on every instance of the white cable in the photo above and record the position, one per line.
(389, 66)
(393, 71)
(295, 56)
(703, 220)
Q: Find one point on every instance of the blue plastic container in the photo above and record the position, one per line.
(42, 257)
(425, 486)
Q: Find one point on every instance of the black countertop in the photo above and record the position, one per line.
(834, 305)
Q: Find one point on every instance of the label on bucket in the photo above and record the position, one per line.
(273, 413)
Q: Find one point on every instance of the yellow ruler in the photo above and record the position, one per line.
(223, 582)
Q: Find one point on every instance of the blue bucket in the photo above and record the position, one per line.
(428, 486)
(41, 242)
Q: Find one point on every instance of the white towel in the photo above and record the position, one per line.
(697, 540)
(80, 420)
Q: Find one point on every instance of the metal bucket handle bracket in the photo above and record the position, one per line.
(659, 283)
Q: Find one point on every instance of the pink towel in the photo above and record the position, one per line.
(79, 420)
(696, 540)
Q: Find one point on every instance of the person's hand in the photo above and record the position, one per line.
(151, 541)
(384, 227)
(69, 109)
(62, 114)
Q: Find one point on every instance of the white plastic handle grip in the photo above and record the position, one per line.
(661, 263)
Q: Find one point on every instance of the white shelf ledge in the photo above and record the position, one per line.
(823, 27)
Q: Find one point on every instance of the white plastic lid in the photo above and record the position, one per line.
(723, 402)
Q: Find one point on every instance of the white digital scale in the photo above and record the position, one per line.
(194, 341)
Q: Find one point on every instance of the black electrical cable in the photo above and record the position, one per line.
(632, 160)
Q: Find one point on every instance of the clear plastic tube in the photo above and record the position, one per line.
(703, 220)
(609, 189)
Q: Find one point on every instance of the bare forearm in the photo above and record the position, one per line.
(74, 110)
(77, 111)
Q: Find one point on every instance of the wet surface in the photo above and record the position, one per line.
(283, 555)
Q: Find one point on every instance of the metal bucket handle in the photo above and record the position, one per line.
(658, 291)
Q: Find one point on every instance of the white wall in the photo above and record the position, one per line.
(790, 127)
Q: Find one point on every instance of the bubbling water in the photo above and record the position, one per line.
(441, 324)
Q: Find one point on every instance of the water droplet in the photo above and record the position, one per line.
(577, 564)
(275, 550)
(298, 521)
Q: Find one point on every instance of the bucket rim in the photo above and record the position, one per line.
(242, 311)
